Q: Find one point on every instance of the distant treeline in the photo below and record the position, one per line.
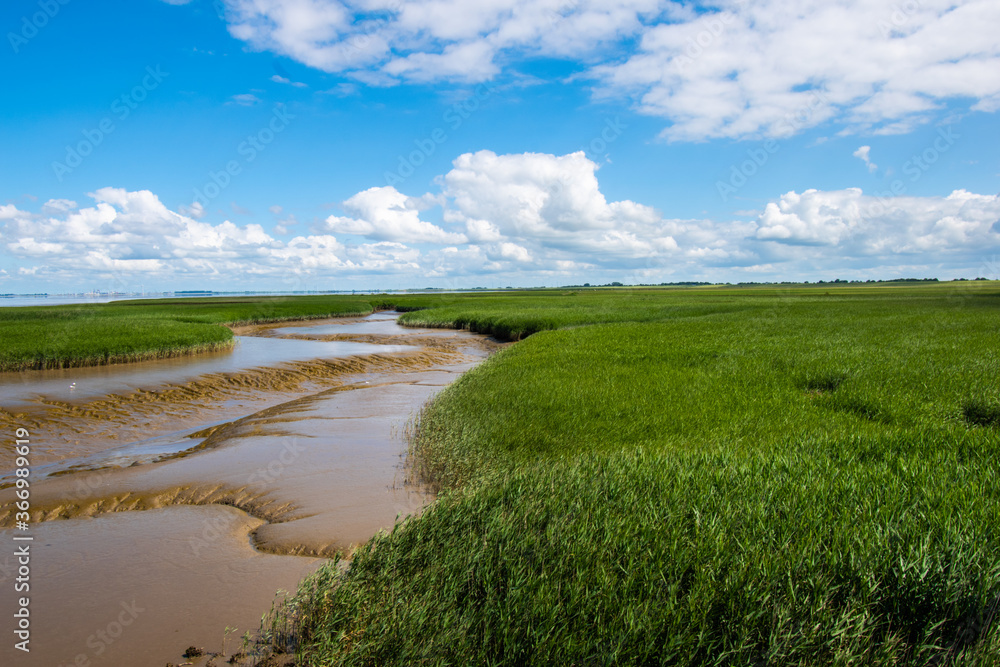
(837, 281)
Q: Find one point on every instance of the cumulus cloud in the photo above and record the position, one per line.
(132, 236)
(860, 225)
(9, 211)
(386, 214)
(284, 224)
(539, 199)
(514, 252)
(528, 216)
(482, 230)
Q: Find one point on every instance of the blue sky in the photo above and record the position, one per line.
(314, 144)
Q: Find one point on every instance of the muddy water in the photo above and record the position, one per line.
(237, 466)
(85, 411)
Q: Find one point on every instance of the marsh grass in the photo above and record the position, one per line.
(768, 480)
(651, 558)
(685, 477)
(125, 331)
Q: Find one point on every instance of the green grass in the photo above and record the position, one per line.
(734, 477)
(87, 335)
(730, 476)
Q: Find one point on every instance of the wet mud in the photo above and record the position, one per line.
(197, 495)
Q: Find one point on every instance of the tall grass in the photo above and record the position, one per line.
(711, 476)
(777, 479)
(89, 335)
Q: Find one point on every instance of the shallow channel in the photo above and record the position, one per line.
(249, 468)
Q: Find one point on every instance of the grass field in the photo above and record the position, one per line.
(94, 334)
(732, 477)
(760, 476)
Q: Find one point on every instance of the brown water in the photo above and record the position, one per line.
(238, 467)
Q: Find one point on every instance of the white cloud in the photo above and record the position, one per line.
(471, 61)
(482, 230)
(732, 69)
(768, 68)
(861, 225)
(864, 154)
(284, 225)
(9, 211)
(423, 40)
(343, 89)
(514, 252)
(195, 210)
(128, 237)
(530, 218)
(246, 99)
(548, 202)
(58, 205)
(386, 214)
(988, 104)
(277, 78)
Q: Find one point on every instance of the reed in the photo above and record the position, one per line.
(126, 331)
(756, 478)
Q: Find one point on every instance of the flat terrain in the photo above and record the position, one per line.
(39, 337)
(744, 476)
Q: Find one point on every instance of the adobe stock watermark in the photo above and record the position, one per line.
(360, 41)
(212, 530)
(102, 638)
(990, 268)
(453, 118)
(554, 15)
(88, 485)
(248, 150)
(121, 108)
(712, 28)
(270, 473)
(757, 157)
(215, 528)
(962, 291)
(31, 25)
(914, 168)
(898, 17)
(597, 148)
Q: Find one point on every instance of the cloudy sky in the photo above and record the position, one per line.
(322, 144)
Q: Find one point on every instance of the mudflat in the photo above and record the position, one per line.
(253, 466)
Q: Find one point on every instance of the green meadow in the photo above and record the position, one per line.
(711, 476)
(41, 337)
(703, 476)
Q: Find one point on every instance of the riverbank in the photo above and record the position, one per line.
(275, 468)
(764, 478)
(792, 476)
(73, 336)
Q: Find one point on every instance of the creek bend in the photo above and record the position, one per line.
(250, 467)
